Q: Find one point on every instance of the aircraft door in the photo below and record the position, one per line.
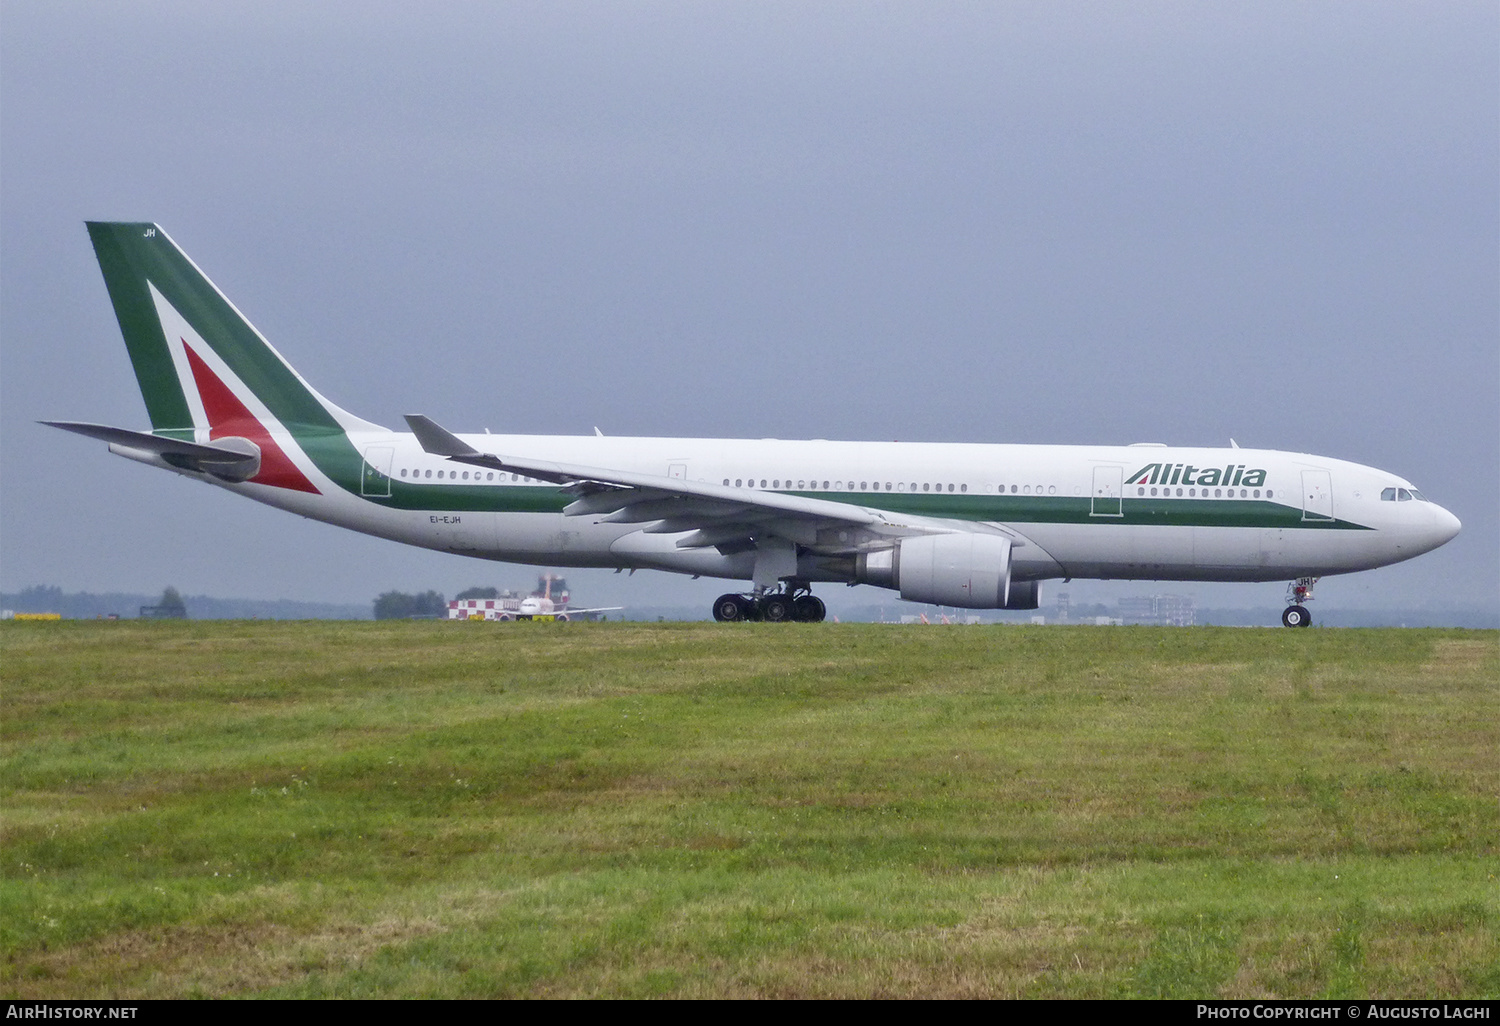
(1317, 495)
(1108, 484)
(375, 478)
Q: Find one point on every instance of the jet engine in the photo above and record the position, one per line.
(971, 571)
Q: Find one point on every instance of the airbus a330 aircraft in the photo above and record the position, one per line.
(976, 526)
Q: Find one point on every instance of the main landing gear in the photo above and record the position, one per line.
(797, 604)
(1298, 592)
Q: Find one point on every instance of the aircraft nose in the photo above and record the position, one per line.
(1445, 525)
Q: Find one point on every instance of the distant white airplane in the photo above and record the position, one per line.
(975, 526)
(537, 608)
(544, 607)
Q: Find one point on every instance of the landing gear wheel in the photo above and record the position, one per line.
(775, 608)
(1296, 616)
(808, 609)
(1298, 592)
(729, 608)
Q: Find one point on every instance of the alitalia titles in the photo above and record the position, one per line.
(1233, 475)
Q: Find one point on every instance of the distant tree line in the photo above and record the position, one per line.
(169, 607)
(84, 605)
(397, 605)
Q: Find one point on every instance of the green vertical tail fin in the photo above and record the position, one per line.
(195, 355)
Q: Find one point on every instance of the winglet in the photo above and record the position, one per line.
(438, 440)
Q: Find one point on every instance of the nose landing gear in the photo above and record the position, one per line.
(791, 603)
(1298, 593)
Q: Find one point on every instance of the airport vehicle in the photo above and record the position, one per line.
(973, 525)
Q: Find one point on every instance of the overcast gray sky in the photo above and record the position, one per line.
(1007, 222)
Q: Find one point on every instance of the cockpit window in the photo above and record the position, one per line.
(1388, 495)
(1418, 495)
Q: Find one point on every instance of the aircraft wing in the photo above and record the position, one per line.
(730, 519)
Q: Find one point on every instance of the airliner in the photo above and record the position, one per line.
(542, 607)
(976, 526)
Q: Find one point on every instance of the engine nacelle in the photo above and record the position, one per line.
(971, 571)
(1024, 595)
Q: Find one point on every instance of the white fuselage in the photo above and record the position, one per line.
(1073, 511)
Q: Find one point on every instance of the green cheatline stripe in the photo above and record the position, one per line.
(335, 456)
(1020, 509)
(1154, 512)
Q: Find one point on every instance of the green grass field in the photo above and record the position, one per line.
(431, 809)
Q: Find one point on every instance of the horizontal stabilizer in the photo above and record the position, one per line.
(233, 459)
